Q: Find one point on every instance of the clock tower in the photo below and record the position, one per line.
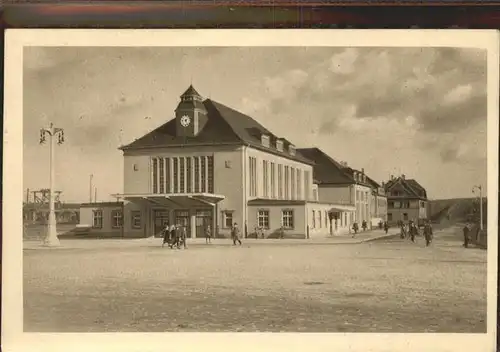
(190, 114)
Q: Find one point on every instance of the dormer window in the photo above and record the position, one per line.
(291, 149)
(355, 174)
(364, 178)
(279, 145)
(265, 140)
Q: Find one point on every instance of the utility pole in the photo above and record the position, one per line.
(90, 188)
(51, 238)
(95, 195)
(480, 188)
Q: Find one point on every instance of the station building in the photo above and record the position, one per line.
(214, 166)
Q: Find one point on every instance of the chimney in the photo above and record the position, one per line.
(403, 176)
(363, 171)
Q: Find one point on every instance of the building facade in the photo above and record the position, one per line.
(212, 166)
(406, 200)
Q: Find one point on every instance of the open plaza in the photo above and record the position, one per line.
(372, 283)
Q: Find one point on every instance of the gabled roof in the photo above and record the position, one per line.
(191, 92)
(329, 171)
(224, 126)
(412, 187)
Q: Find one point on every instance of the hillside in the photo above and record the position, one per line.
(455, 210)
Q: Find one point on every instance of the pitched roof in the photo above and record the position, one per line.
(224, 126)
(190, 92)
(411, 186)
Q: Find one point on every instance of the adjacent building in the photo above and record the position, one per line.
(406, 200)
(343, 185)
(212, 166)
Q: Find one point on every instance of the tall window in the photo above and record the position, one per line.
(287, 182)
(182, 174)
(155, 175)
(228, 219)
(189, 175)
(176, 175)
(97, 219)
(210, 173)
(314, 220)
(292, 182)
(203, 175)
(307, 186)
(315, 194)
(116, 219)
(405, 216)
(319, 219)
(135, 217)
(263, 219)
(326, 219)
(167, 175)
(253, 176)
(280, 181)
(299, 184)
(162, 175)
(287, 219)
(197, 174)
(389, 216)
(265, 176)
(273, 180)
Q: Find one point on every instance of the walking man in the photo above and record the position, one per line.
(466, 230)
(166, 234)
(235, 234)
(208, 234)
(182, 238)
(428, 233)
(413, 232)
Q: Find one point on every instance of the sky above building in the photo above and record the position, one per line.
(414, 111)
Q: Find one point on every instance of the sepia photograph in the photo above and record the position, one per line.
(197, 185)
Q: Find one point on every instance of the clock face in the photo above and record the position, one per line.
(185, 120)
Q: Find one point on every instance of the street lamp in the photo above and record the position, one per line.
(480, 204)
(55, 135)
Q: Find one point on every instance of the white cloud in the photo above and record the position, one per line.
(458, 94)
(344, 62)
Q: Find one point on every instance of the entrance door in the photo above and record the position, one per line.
(181, 218)
(160, 217)
(203, 219)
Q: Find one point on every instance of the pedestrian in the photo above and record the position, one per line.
(466, 231)
(235, 234)
(381, 224)
(428, 233)
(165, 231)
(413, 232)
(386, 227)
(208, 234)
(364, 225)
(181, 239)
(355, 229)
(281, 233)
(172, 236)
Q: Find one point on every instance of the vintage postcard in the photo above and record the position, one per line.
(250, 189)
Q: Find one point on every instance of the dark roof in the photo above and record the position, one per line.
(191, 92)
(101, 204)
(265, 201)
(412, 188)
(224, 126)
(329, 171)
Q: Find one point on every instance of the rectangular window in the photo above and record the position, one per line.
(227, 219)
(203, 174)
(168, 180)
(189, 171)
(287, 219)
(161, 162)
(97, 219)
(263, 219)
(253, 176)
(182, 174)
(287, 182)
(280, 181)
(116, 219)
(405, 216)
(319, 219)
(155, 175)
(210, 174)
(389, 216)
(273, 180)
(135, 217)
(314, 220)
(315, 194)
(292, 183)
(197, 174)
(176, 175)
(265, 178)
(299, 184)
(326, 219)
(390, 204)
(307, 187)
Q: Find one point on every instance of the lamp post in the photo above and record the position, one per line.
(55, 135)
(480, 188)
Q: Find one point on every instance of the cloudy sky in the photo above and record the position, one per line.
(421, 112)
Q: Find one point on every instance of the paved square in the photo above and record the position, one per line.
(380, 286)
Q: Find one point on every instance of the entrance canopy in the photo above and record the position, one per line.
(174, 200)
(341, 209)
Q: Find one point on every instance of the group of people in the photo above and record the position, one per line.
(174, 236)
(364, 225)
(411, 230)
